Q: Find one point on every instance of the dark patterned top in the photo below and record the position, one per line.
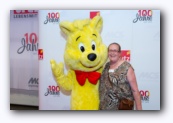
(114, 86)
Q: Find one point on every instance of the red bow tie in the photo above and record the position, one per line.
(92, 77)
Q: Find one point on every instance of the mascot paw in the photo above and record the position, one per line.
(57, 69)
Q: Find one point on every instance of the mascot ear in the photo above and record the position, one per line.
(66, 27)
(97, 23)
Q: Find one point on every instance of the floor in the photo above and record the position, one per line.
(23, 107)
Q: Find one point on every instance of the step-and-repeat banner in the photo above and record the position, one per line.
(137, 31)
(24, 63)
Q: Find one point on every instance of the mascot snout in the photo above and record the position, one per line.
(92, 56)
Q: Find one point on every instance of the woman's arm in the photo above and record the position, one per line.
(132, 80)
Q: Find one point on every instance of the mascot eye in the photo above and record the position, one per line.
(93, 45)
(81, 47)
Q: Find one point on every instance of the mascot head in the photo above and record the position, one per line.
(84, 49)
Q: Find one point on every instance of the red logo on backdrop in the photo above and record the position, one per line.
(145, 95)
(20, 14)
(53, 90)
(143, 15)
(25, 11)
(125, 54)
(40, 54)
(93, 14)
(52, 17)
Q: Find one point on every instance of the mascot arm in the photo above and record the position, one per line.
(64, 81)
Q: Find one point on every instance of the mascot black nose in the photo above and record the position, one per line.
(92, 56)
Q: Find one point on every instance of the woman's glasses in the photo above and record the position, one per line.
(113, 51)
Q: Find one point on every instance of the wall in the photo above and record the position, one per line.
(137, 31)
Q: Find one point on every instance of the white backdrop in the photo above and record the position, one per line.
(23, 49)
(24, 57)
(142, 38)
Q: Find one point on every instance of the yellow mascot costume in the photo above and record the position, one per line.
(85, 55)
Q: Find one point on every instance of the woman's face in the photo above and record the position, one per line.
(114, 53)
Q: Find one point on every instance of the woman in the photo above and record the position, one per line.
(118, 81)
